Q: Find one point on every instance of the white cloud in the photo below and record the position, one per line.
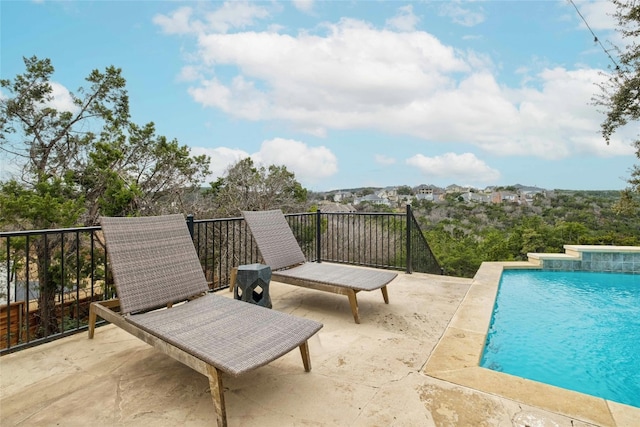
(235, 14)
(178, 21)
(239, 98)
(189, 74)
(460, 15)
(303, 5)
(231, 15)
(356, 76)
(405, 20)
(221, 159)
(560, 119)
(599, 15)
(348, 79)
(310, 164)
(464, 168)
(61, 99)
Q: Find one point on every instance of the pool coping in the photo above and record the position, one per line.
(457, 355)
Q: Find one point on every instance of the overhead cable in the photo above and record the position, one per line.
(595, 37)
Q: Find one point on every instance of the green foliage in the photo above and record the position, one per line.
(79, 164)
(620, 95)
(627, 204)
(247, 187)
(373, 207)
(462, 236)
(50, 203)
(405, 190)
(93, 154)
(131, 174)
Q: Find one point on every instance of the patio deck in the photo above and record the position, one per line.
(371, 374)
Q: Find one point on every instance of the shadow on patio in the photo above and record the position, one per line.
(362, 375)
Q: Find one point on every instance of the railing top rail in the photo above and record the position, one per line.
(201, 221)
(365, 213)
(21, 233)
(300, 214)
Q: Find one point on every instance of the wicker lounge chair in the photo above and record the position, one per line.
(280, 250)
(155, 266)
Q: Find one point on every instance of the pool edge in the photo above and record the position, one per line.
(456, 359)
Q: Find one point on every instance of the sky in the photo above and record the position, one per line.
(350, 94)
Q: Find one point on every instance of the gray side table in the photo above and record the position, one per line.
(252, 284)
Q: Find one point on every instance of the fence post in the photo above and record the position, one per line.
(9, 292)
(318, 247)
(409, 221)
(190, 224)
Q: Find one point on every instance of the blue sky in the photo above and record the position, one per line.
(350, 93)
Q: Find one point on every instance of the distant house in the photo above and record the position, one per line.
(477, 197)
(529, 195)
(505, 197)
(453, 188)
(424, 192)
(4, 284)
(389, 196)
(422, 196)
(342, 195)
(373, 199)
(16, 289)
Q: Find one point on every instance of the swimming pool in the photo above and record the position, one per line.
(575, 330)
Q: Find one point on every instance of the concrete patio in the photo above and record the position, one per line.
(371, 374)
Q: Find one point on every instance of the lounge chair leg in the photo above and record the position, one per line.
(217, 393)
(353, 302)
(93, 313)
(232, 278)
(306, 359)
(385, 295)
(92, 320)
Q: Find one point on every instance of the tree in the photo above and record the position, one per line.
(247, 187)
(77, 164)
(627, 203)
(405, 190)
(621, 93)
(142, 174)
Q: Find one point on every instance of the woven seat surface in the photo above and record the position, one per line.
(281, 251)
(276, 242)
(360, 279)
(154, 263)
(232, 335)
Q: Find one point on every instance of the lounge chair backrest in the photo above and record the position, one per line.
(278, 246)
(153, 261)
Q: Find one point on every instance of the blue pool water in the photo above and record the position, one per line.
(575, 330)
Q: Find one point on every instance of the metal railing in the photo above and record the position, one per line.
(48, 278)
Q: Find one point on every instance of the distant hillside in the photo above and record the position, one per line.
(521, 187)
(607, 194)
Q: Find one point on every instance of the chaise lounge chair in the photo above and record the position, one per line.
(155, 267)
(280, 250)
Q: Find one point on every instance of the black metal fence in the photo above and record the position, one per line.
(48, 278)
